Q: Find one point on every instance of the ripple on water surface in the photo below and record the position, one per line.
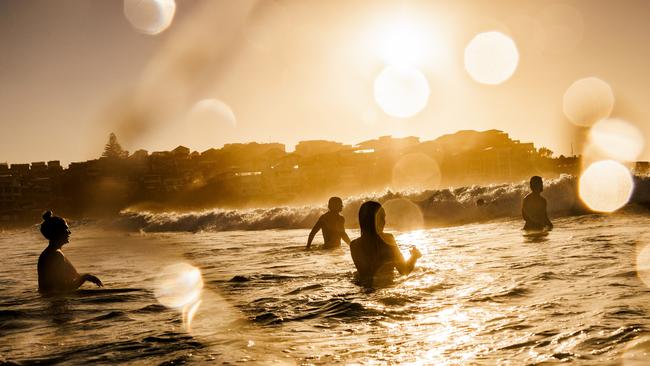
(482, 294)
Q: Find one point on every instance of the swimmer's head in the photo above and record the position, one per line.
(536, 184)
(372, 218)
(55, 229)
(335, 204)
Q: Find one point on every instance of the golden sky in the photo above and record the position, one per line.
(73, 71)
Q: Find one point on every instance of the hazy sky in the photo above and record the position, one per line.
(72, 71)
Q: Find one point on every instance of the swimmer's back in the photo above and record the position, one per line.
(373, 257)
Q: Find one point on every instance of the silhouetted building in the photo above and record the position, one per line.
(642, 167)
(388, 143)
(318, 147)
(18, 170)
(251, 173)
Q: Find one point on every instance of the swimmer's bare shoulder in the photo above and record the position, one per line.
(389, 238)
(50, 257)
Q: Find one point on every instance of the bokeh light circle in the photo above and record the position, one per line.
(150, 16)
(416, 171)
(643, 265)
(606, 186)
(402, 214)
(179, 285)
(617, 139)
(401, 91)
(588, 101)
(491, 58)
(213, 110)
(637, 352)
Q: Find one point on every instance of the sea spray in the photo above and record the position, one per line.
(440, 207)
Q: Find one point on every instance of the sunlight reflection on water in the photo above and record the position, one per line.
(479, 295)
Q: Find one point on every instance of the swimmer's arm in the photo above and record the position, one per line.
(344, 235)
(83, 278)
(404, 267)
(524, 206)
(313, 232)
(74, 280)
(90, 278)
(547, 221)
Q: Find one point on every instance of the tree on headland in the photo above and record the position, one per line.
(113, 149)
(545, 152)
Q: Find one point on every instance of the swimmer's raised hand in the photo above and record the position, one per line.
(93, 279)
(415, 253)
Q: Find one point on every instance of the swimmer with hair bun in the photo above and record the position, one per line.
(55, 272)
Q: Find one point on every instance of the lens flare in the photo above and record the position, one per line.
(212, 111)
(606, 186)
(150, 16)
(414, 171)
(179, 286)
(643, 265)
(188, 314)
(637, 352)
(588, 101)
(617, 139)
(401, 91)
(491, 58)
(402, 214)
(208, 123)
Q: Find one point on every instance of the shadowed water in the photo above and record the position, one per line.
(482, 294)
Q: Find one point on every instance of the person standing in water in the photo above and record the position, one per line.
(332, 224)
(533, 208)
(375, 253)
(55, 272)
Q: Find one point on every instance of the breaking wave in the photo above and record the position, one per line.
(442, 207)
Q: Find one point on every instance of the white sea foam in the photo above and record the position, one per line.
(441, 207)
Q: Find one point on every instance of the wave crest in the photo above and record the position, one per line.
(442, 207)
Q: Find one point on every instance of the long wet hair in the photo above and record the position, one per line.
(368, 218)
(368, 224)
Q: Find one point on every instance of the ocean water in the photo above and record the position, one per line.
(482, 294)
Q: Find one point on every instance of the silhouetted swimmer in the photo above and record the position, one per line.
(332, 224)
(55, 272)
(375, 253)
(533, 208)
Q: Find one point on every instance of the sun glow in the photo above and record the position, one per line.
(405, 47)
(402, 44)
